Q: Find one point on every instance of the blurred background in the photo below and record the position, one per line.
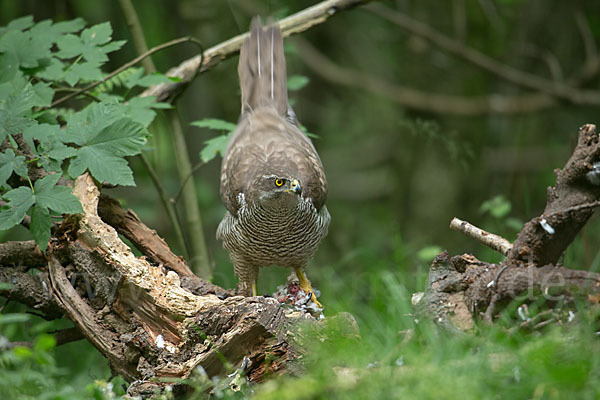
(424, 111)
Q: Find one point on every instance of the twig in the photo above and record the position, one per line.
(488, 316)
(175, 198)
(557, 89)
(168, 206)
(494, 242)
(494, 282)
(26, 218)
(199, 260)
(296, 23)
(122, 68)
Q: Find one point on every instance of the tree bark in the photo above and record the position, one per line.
(149, 316)
(462, 289)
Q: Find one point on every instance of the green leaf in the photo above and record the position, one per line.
(10, 163)
(97, 35)
(25, 47)
(213, 147)
(19, 201)
(105, 136)
(45, 342)
(17, 99)
(43, 94)
(103, 166)
(514, 223)
(140, 110)
(146, 81)
(427, 254)
(52, 70)
(51, 156)
(87, 123)
(9, 66)
(297, 82)
(57, 198)
(74, 25)
(214, 124)
(44, 133)
(161, 105)
(70, 46)
(498, 207)
(19, 24)
(113, 46)
(60, 152)
(40, 226)
(309, 134)
(89, 44)
(14, 318)
(121, 79)
(85, 71)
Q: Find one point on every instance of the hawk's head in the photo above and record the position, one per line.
(275, 190)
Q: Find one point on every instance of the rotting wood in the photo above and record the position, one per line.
(461, 289)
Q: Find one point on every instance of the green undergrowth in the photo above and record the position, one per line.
(396, 356)
(400, 357)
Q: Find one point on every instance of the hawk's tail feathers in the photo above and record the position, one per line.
(262, 69)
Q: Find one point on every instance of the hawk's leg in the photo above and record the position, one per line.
(248, 276)
(305, 285)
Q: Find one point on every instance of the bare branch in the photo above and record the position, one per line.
(296, 23)
(31, 290)
(586, 35)
(167, 205)
(494, 242)
(591, 66)
(23, 254)
(557, 89)
(421, 100)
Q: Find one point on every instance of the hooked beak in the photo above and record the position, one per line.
(295, 187)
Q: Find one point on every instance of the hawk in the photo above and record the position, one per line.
(272, 180)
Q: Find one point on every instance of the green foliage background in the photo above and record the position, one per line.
(397, 176)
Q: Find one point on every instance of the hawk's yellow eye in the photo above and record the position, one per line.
(278, 182)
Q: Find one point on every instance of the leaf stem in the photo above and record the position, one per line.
(168, 205)
(199, 262)
(66, 71)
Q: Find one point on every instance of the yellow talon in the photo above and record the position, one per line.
(305, 285)
(254, 289)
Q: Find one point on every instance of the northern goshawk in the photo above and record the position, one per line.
(272, 181)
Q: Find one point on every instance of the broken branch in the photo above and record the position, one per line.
(494, 242)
